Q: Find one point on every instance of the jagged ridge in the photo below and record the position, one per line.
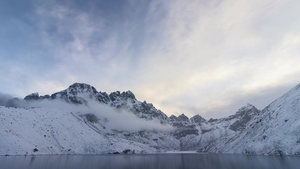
(79, 93)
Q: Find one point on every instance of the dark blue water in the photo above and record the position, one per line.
(153, 161)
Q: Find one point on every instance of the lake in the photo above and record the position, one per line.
(149, 161)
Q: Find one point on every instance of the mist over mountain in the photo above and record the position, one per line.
(4, 98)
(82, 120)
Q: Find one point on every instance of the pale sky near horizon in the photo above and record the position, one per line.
(207, 57)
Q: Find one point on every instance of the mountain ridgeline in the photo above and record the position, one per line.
(80, 93)
(102, 123)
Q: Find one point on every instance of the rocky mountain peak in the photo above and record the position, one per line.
(243, 116)
(173, 117)
(80, 88)
(197, 119)
(72, 91)
(33, 96)
(247, 107)
(128, 94)
(182, 117)
(123, 96)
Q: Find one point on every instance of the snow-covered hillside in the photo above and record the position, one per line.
(275, 130)
(81, 120)
(54, 131)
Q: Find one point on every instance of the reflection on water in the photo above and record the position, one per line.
(153, 161)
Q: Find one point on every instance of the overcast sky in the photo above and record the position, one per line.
(207, 57)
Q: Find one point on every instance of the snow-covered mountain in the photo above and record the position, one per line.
(274, 130)
(80, 93)
(81, 120)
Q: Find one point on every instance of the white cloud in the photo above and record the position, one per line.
(114, 119)
(214, 55)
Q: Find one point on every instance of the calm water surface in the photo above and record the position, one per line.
(153, 161)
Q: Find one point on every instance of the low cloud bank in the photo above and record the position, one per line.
(4, 98)
(124, 120)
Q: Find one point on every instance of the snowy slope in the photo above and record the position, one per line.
(276, 130)
(53, 131)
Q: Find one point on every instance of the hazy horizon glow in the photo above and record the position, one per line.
(192, 57)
